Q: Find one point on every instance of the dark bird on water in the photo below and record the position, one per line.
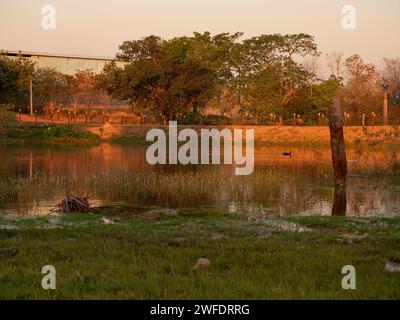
(288, 154)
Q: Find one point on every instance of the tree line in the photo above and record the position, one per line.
(50, 87)
(179, 79)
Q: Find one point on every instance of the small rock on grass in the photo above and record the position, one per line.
(107, 221)
(354, 236)
(202, 263)
(152, 214)
(391, 266)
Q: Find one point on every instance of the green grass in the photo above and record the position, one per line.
(49, 134)
(152, 256)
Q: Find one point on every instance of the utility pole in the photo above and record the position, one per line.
(30, 96)
(385, 104)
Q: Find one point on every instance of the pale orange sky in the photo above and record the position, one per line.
(96, 28)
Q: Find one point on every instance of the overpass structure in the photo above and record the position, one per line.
(66, 64)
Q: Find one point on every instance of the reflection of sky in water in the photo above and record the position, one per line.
(304, 189)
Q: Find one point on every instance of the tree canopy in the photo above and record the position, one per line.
(184, 74)
(14, 80)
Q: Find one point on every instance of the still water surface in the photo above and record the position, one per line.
(297, 185)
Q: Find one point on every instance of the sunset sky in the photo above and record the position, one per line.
(96, 28)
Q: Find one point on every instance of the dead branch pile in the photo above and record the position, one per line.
(72, 204)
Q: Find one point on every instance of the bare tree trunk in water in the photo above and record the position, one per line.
(339, 161)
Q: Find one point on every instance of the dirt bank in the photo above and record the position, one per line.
(265, 134)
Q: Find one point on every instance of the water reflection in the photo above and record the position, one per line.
(280, 185)
(339, 207)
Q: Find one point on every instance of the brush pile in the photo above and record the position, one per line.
(72, 204)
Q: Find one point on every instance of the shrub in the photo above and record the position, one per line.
(65, 132)
(208, 120)
(7, 117)
(396, 168)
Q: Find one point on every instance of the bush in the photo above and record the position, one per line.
(191, 118)
(216, 119)
(50, 134)
(7, 117)
(66, 132)
(396, 168)
(208, 120)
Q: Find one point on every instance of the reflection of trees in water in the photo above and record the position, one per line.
(108, 159)
(372, 199)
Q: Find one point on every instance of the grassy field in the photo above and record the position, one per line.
(149, 253)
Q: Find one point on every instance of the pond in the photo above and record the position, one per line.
(34, 179)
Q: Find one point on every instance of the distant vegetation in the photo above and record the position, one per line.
(49, 134)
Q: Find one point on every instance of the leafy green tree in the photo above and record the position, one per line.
(14, 80)
(268, 76)
(148, 49)
(323, 94)
(310, 105)
(170, 78)
(7, 117)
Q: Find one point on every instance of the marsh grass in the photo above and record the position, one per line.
(175, 190)
(276, 190)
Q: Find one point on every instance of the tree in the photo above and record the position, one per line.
(313, 67)
(324, 93)
(14, 80)
(362, 92)
(148, 49)
(84, 89)
(336, 64)
(269, 78)
(7, 117)
(391, 77)
(170, 77)
(310, 105)
(50, 86)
